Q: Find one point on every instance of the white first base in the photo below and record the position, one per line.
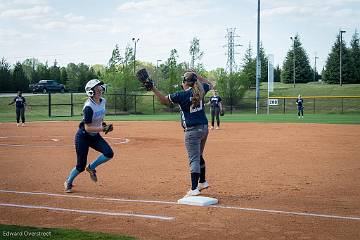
(198, 201)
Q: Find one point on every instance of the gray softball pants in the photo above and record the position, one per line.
(195, 139)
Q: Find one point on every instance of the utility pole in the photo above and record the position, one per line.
(231, 65)
(135, 42)
(258, 62)
(293, 39)
(341, 33)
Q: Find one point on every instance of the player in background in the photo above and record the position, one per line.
(88, 134)
(300, 106)
(20, 104)
(215, 109)
(194, 122)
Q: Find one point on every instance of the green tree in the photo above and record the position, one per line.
(171, 73)
(20, 81)
(277, 74)
(54, 72)
(331, 73)
(29, 67)
(195, 53)
(42, 71)
(303, 71)
(249, 67)
(264, 64)
(355, 58)
(5, 76)
(63, 76)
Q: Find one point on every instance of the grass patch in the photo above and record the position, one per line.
(23, 232)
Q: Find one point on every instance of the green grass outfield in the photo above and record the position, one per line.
(271, 118)
(21, 232)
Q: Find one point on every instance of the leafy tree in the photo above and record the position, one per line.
(20, 81)
(171, 73)
(355, 58)
(42, 71)
(331, 74)
(116, 58)
(195, 52)
(63, 76)
(303, 71)
(5, 76)
(29, 67)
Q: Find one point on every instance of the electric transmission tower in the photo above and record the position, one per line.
(231, 64)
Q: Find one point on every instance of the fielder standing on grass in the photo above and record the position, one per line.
(20, 104)
(88, 134)
(194, 121)
(300, 106)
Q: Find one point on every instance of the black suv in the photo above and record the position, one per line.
(45, 86)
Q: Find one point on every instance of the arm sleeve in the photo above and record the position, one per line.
(88, 114)
(206, 87)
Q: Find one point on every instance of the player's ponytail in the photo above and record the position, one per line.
(198, 94)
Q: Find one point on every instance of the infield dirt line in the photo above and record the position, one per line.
(271, 211)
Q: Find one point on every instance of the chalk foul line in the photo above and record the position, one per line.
(88, 211)
(175, 203)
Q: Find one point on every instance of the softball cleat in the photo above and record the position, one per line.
(202, 186)
(92, 173)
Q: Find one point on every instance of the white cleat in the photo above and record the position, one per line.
(202, 186)
(191, 193)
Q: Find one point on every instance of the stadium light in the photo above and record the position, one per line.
(341, 33)
(293, 39)
(135, 42)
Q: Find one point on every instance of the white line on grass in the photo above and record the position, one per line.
(175, 203)
(88, 211)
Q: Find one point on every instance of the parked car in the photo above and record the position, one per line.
(44, 86)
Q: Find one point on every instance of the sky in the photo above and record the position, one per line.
(88, 30)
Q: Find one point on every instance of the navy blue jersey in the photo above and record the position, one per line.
(190, 116)
(299, 102)
(20, 101)
(214, 101)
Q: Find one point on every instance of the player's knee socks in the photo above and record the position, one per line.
(74, 172)
(194, 180)
(202, 170)
(100, 160)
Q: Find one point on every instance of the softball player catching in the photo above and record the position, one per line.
(88, 134)
(300, 107)
(194, 121)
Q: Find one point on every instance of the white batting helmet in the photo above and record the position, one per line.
(90, 85)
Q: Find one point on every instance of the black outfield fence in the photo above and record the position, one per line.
(71, 104)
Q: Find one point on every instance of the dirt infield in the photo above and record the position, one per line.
(273, 181)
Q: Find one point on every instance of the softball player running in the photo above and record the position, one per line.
(300, 107)
(88, 134)
(195, 124)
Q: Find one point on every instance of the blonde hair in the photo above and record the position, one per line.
(198, 94)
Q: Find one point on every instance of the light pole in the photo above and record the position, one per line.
(341, 33)
(293, 39)
(258, 63)
(315, 68)
(135, 42)
(157, 63)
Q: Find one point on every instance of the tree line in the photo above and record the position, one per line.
(120, 77)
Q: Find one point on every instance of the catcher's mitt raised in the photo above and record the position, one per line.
(145, 80)
(107, 128)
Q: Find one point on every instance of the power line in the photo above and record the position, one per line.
(231, 64)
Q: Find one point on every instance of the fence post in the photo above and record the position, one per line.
(115, 95)
(153, 96)
(72, 104)
(49, 103)
(284, 106)
(135, 103)
(342, 105)
(314, 105)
